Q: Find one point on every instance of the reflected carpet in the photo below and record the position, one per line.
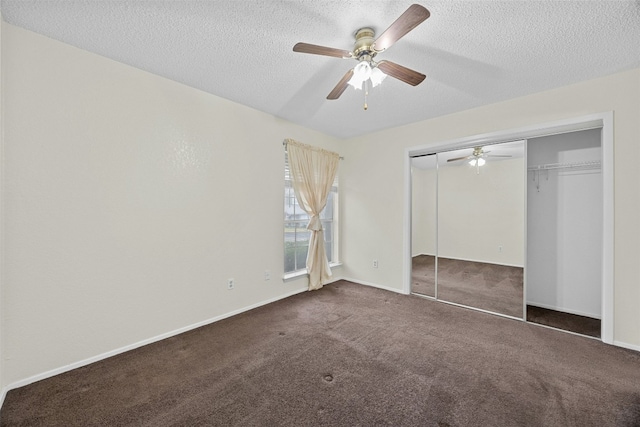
(491, 287)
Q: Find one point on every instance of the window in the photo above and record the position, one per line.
(296, 235)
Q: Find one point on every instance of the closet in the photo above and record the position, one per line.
(564, 231)
(519, 235)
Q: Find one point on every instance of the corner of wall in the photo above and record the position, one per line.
(2, 384)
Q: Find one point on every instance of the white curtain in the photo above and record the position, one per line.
(312, 172)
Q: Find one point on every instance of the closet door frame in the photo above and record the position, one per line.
(603, 121)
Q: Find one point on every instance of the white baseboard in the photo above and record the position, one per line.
(563, 309)
(626, 345)
(501, 264)
(99, 357)
(3, 394)
(375, 285)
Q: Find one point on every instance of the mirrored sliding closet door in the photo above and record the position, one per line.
(480, 227)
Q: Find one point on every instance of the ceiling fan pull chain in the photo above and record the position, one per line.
(366, 92)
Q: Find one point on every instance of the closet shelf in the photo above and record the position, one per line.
(544, 169)
(595, 164)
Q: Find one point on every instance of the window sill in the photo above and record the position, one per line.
(300, 273)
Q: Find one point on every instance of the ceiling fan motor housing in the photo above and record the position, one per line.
(364, 41)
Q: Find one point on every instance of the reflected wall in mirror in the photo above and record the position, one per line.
(481, 204)
(423, 225)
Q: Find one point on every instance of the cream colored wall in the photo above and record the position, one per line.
(423, 216)
(373, 219)
(481, 216)
(129, 201)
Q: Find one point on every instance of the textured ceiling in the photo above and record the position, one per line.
(473, 52)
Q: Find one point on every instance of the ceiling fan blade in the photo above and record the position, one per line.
(410, 19)
(399, 72)
(341, 86)
(321, 50)
(459, 158)
(498, 155)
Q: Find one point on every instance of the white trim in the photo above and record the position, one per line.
(608, 189)
(468, 307)
(564, 310)
(99, 357)
(375, 285)
(591, 121)
(605, 121)
(406, 226)
(2, 224)
(482, 262)
(294, 275)
(303, 273)
(437, 233)
(563, 330)
(525, 254)
(3, 394)
(429, 297)
(626, 345)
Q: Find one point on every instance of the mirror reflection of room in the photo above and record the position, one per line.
(469, 211)
(481, 227)
(423, 225)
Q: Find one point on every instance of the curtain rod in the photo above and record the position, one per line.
(284, 144)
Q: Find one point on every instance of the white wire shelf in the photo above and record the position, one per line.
(595, 164)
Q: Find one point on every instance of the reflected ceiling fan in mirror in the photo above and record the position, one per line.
(369, 72)
(477, 158)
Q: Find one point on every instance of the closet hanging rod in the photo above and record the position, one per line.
(594, 164)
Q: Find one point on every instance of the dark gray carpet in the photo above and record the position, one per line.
(491, 287)
(347, 355)
(569, 322)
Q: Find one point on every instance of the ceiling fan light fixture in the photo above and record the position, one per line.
(361, 73)
(356, 82)
(477, 162)
(377, 76)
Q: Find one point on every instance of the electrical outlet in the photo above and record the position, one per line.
(375, 263)
(267, 275)
(231, 284)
